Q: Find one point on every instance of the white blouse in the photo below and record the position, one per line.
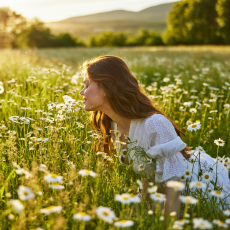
(158, 137)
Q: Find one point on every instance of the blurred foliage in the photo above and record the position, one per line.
(18, 32)
(143, 38)
(198, 22)
(191, 22)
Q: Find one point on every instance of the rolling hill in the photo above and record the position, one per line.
(118, 21)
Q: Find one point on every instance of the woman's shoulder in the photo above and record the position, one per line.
(156, 117)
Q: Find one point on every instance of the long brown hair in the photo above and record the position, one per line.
(125, 95)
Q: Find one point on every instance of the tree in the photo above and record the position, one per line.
(177, 30)
(11, 26)
(223, 19)
(192, 22)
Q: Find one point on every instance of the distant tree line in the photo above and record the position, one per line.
(189, 22)
(198, 22)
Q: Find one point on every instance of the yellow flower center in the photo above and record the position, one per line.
(206, 177)
(201, 149)
(187, 173)
(193, 126)
(53, 175)
(198, 183)
(132, 195)
(153, 175)
(82, 213)
(105, 213)
(87, 171)
(181, 220)
(123, 221)
(221, 222)
(182, 177)
(142, 166)
(202, 224)
(218, 192)
(26, 193)
(50, 207)
(188, 199)
(125, 197)
(158, 195)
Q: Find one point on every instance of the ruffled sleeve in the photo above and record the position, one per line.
(165, 147)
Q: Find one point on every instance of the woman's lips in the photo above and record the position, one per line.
(84, 101)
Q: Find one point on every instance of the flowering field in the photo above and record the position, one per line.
(51, 177)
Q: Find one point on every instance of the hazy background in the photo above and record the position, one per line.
(71, 23)
(56, 10)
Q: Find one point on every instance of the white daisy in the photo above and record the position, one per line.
(16, 205)
(42, 139)
(24, 120)
(56, 186)
(188, 174)
(85, 172)
(140, 184)
(53, 178)
(134, 198)
(188, 200)
(42, 168)
(152, 189)
(158, 197)
(218, 194)
(197, 184)
(219, 142)
(176, 185)
(200, 223)
(51, 209)
(25, 193)
(123, 198)
(200, 149)
(141, 167)
(226, 212)
(82, 216)
(220, 223)
(194, 126)
(105, 214)
(207, 177)
(192, 110)
(124, 223)
(181, 222)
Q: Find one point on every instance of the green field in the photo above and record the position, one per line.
(33, 80)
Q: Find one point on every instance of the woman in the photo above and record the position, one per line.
(119, 102)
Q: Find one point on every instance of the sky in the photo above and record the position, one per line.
(56, 10)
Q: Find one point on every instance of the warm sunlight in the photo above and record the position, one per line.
(55, 10)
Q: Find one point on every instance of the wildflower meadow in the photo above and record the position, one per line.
(52, 178)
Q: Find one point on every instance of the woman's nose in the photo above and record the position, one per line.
(81, 92)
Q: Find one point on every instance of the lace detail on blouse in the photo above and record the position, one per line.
(165, 147)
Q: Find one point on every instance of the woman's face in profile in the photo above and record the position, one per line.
(94, 97)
